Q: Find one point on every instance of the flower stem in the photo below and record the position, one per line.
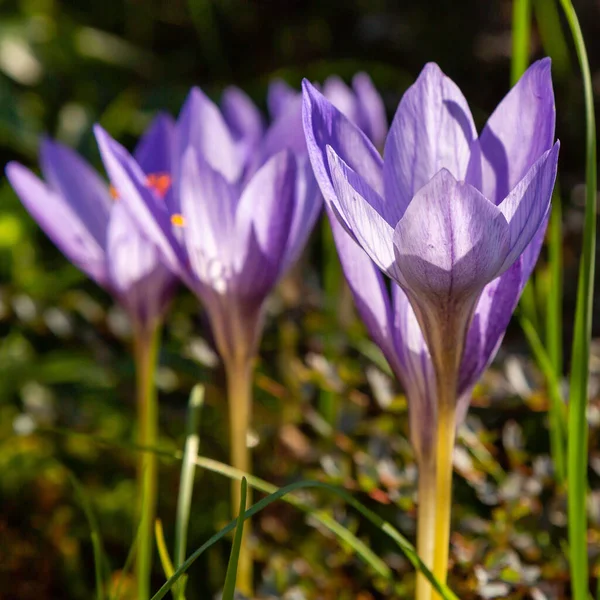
(239, 391)
(426, 526)
(446, 434)
(146, 343)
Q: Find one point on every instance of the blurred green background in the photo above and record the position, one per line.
(66, 375)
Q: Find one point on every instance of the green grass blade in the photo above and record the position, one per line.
(321, 517)
(186, 480)
(521, 40)
(385, 527)
(577, 446)
(163, 553)
(558, 413)
(521, 34)
(127, 566)
(361, 549)
(552, 36)
(234, 557)
(554, 313)
(333, 282)
(97, 547)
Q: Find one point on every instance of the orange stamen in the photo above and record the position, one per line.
(159, 182)
(112, 190)
(178, 220)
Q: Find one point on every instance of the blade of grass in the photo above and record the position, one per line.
(521, 40)
(577, 445)
(521, 34)
(127, 566)
(234, 557)
(321, 517)
(163, 553)
(332, 286)
(557, 413)
(554, 316)
(186, 480)
(407, 549)
(97, 547)
(552, 36)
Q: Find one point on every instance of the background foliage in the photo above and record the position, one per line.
(64, 352)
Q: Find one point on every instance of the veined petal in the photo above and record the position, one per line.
(155, 151)
(59, 222)
(80, 186)
(307, 206)
(371, 109)
(341, 96)
(451, 240)
(532, 251)
(519, 131)
(150, 215)
(369, 292)
(241, 115)
(418, 376)
(285, 132)
(433, 129)
(208, 204)
(324, 126)
(263, 220)
(202, 126)
(528, 204)
(490, 320)
(279, 96)
(365, 212)
(142, 282)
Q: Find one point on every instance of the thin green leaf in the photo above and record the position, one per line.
(552, 36)
(97, 546)
(163, 553)
(577, 446)
(234, 557)
(186, 480)
(321, 517)
(521, 30)
(127, 566)
(558, 411)
(554, 316)
(408, 550)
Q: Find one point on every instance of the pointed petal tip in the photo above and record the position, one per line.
(12, 168)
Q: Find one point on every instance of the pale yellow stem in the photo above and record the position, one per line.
(426, 525)
(239, 390)
(446, 433)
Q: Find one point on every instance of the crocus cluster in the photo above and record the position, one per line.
(244, 201)
(83, 216)
(225, 203)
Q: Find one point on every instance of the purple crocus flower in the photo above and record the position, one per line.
(456, 221)
(245, 201)
(94, 231)
(361, 103)
(445, 213)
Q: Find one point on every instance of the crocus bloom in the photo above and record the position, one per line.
(361, 103)
(86, 220)
(445, 213)
(244, 203)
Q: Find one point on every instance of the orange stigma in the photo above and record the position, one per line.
(159, 182)
(112, 190)
(178, 220)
